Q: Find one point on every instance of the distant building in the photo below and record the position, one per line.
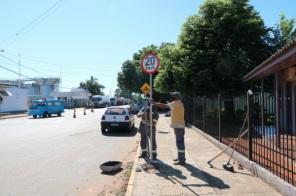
(77, 97)
(15, 96)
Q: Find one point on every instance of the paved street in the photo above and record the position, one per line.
(60, 155)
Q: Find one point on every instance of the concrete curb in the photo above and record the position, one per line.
(274, 181)
(12, 116)
(130, 184)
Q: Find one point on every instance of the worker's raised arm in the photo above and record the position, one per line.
(162, 105)
(140, 114)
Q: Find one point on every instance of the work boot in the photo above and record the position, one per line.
(143, 155)
(154, 156)
(180, 163)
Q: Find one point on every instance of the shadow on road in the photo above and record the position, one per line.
(210, 180)
(121, 133)
(175, 176)
(38, 118)
(167, 171)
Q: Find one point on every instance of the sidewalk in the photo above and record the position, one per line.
(9, 115)
(194, 178)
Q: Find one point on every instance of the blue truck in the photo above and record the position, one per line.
(45, 108)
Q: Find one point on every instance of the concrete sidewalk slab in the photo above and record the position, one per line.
(194, 178)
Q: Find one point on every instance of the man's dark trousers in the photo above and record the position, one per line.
(180, 132)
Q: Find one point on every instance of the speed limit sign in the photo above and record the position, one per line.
(150, 63)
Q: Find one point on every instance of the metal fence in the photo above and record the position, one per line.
(269, 143)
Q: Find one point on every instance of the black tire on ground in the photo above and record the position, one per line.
(44, 115)
(59, 114)
(49, 115)
(34, 116)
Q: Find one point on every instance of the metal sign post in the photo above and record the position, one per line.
(150, 118)
(149, 64)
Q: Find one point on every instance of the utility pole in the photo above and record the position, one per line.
(19, 83)
(61, 87)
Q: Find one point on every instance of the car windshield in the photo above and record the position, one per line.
(97, 98)
(116, 111)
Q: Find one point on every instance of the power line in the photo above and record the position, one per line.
(62, 65)
(25, 29)
(7, 69)
(66, 73)
(29, 68)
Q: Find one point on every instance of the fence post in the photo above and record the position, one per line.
(250, 123)
(262, 107)
(219, 114)
(193, 111)
(203, 113)
(277, 110)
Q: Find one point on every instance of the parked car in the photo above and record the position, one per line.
(117, 117)
(45, 108)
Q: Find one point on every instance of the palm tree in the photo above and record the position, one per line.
(92, 86)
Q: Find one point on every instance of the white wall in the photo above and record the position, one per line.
(45, 91)
(17, 102)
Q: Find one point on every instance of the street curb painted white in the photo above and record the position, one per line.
(274, 181)
(130, 184)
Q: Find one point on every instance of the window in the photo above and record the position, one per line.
(96, 99)
(49, 103)
(116, 111)
(57, 103)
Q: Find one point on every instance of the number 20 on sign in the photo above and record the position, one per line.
(150, 63)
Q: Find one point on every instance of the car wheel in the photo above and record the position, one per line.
(49, 115)
(59, 114)
(103, 130)
(34, 116)
(129, 128)
(44, 115)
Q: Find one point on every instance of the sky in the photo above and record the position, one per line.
(79, 38)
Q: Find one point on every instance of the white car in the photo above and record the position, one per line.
(117, 117)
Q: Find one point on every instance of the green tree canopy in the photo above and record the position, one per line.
(284, 31)
(131, 77)
(171, 74)
(92, 86)
(219, 45)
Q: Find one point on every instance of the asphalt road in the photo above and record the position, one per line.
(59, 155)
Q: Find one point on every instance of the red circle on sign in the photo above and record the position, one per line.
(157, 63)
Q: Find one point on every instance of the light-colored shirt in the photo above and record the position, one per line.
(177, 114)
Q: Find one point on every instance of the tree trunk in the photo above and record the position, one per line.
(229, 112)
